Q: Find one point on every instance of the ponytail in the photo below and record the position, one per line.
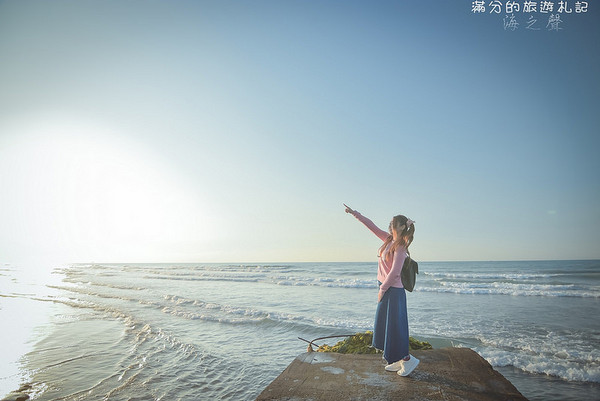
(405, 228)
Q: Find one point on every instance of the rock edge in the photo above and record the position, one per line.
(443, 374)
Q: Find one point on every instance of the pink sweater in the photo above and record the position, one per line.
(390, 265)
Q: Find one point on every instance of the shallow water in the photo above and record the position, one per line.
(210, 331)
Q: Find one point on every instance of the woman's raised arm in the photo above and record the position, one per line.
(382, 235)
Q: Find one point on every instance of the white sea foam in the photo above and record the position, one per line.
(512, 289)
(566, 369)
(240, 279)
(273, 279)
(323, 281)
(491, 276)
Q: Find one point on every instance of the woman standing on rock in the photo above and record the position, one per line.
(390, 333)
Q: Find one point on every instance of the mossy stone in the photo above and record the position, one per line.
(360, 343)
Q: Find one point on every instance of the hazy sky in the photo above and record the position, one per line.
(232, 131)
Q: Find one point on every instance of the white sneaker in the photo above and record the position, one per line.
(395, 367)
(408, 366)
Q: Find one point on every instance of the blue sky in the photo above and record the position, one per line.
(232, 131)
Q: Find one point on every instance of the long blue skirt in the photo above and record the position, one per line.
(390, 333)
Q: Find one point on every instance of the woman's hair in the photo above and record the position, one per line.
(405, 234)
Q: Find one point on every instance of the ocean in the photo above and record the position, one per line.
(225, 331)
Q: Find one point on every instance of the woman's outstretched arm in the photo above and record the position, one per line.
(382, 235)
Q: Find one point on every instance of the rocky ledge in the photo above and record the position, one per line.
(443, 374)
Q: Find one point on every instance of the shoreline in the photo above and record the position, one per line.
(19, 395)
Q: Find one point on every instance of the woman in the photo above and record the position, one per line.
(391, 322)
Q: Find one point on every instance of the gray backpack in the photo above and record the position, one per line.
(410, 269)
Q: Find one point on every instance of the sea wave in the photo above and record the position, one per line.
(240, 279)
(552, 345)
(194, 309)
(566, 369)
(438, 286)
(522, 290)
(492, 276)
(323, 281)
(240, 315)
(275, 279)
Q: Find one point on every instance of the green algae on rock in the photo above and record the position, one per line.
(360, 343)
(416, 344)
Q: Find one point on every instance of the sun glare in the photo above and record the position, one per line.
(91, 194)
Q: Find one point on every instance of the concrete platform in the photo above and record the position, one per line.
(443, 374)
